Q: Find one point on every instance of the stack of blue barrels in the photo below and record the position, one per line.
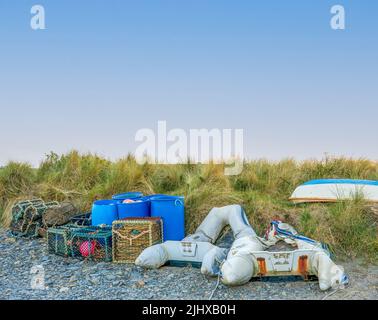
(170, 209)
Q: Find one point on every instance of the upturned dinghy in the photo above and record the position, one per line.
(332, 190)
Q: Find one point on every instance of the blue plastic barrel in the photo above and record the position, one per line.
(127, 195)
(149, 197)
(133, 209)
(104, 212)
(171, 210)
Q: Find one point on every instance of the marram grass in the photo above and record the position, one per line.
(263, 188)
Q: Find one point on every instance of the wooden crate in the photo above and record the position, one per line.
(132, 235)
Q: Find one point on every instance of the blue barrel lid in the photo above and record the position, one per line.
(127, 195)
(166, 197)
(176, 199)
(150, 196)
(105, 202)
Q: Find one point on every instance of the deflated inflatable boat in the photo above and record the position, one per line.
(249, 255)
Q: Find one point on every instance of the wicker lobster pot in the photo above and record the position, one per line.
(27, 217)
(84, 219)
(132, 235)
(92, 243)
(59, 239)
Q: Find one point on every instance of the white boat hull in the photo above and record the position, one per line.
(335, 190)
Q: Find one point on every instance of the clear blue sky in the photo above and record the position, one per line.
(104, 69)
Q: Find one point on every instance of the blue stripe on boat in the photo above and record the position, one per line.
(342, 181)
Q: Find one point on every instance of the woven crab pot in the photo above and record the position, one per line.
(30, 209)
(59, 240)
(92, 243)
(84, 219)
(19, 208)
(25, 228)
(132, 235)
